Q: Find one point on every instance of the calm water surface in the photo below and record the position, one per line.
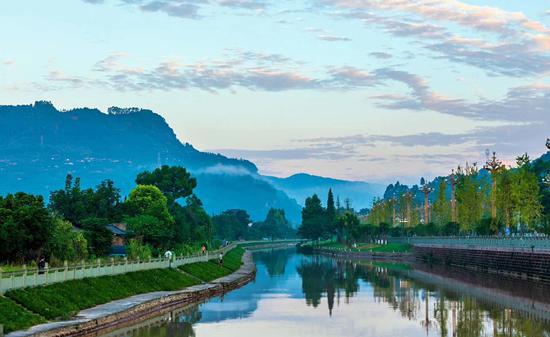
(304, 295)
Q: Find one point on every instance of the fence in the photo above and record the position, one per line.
(523, 243)
(35, 277)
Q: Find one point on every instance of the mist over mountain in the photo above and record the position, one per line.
(40, 145)
(302, 185)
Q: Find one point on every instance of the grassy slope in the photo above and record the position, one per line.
(61, 300)
(208, 271)
(15, 317)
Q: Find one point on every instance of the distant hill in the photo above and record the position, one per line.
(40, 145)
(300, 186)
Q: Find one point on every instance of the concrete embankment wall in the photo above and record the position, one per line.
(116, 314)
(534, 265)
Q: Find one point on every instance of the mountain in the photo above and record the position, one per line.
(302, 185)
(40, 145)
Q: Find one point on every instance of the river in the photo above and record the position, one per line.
(311, 295)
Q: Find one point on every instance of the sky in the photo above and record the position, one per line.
(370, 90)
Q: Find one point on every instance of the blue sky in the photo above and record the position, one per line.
(372, 90)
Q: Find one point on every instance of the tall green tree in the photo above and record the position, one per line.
(25, 226)
(471, 195)
(276, 225)
(526, 193)
(231, 224)
(65, 243)
(149, 217)
(175, 182)
(313, 219)
(441, 206)
(331, 213)
(349, 223)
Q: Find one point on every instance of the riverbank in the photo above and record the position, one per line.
(114, 314)
(380, 256)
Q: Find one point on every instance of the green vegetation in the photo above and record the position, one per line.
(233, 259)
(15, 317)
(235, 224)
(61, 300)
(206, 271)
(368, 247)
(470, 201)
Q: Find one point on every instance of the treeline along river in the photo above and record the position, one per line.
(311, 295)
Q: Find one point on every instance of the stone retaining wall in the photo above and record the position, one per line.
(520, 264)
(116, 314)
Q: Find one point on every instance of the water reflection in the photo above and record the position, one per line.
(298, 295)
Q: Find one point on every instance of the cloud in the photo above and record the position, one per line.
(518, 46)
(325, 151)
(333, 38)
(381, 55)
(181, 9)
(225, 169)
(247, 4)
(187, 9)
(525, 104)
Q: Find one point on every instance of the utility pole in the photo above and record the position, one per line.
(453, 181)
(494, 166)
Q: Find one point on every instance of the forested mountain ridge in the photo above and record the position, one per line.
(40, 145)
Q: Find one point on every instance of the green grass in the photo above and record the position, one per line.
(208, 271)
(15, 317)
(62, 300)
(392, 248)
(369, 247)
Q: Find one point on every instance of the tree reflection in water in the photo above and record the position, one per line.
(436, 309)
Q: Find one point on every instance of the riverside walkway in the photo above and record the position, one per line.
(33, 277)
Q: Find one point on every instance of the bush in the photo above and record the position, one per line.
(62, 300)
(14, 317)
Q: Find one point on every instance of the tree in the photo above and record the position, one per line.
(65, 243)
(173, 181)
(331, 213)
(231, 224)
(98, 237)
(25, 226)
(504, 198)
(349, 222)
(441, 207)
(275, 225)
(313, 219)
(149, 217)
(75, 204)
(471, 192)
(526, 194)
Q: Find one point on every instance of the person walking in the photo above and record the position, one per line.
(221, 258)
(41, 265)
